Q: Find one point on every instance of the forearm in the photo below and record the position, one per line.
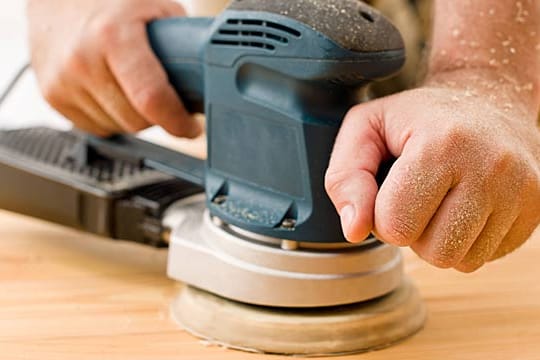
(498, 37)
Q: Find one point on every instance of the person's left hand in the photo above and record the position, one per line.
(94, 64)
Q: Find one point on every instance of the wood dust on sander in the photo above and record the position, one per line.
(340, 330)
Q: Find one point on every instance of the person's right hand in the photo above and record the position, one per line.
(465, 188)
(94, 65)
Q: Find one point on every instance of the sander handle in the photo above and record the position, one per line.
(275, 81)
(179, 43)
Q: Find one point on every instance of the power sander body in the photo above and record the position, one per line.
(252, 222)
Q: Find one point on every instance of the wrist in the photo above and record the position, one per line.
(494, 41)
(502, 89)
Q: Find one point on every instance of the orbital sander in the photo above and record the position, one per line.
(250, 230)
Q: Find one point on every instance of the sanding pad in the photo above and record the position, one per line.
(338, 330)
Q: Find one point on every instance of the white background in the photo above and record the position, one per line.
(25, 107)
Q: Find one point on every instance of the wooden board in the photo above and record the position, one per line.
(67, 295)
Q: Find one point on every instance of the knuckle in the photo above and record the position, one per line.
(147, 99)
(334, 180)
(441, 261)
(512, 174)
(436, 253)
(75, 62)
(355, 112)
(503, 161)
(363, 112)
(468, 267)
(532, 179)
(341, 184)
(105, 31)
(136, 127)
(529, 192)
(445, 256)
(96, 131)
(51, 93)
(454, 139)
(426, 254)
(399, 230)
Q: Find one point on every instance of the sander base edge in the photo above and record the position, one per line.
(331, 331)
(206, 253)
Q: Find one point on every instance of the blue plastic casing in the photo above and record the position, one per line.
(275, 92)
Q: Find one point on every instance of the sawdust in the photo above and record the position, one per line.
(507, 93)
(463, 226)
(351, 23)
(485, 174)
(504, 50)
(409, 206)
(521, 13)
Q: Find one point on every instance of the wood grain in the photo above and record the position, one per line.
(67, 295)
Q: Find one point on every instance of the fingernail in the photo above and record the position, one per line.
(348, 213)
(195, 132)
(192, 131)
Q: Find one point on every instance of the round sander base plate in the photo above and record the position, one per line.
(339, 330)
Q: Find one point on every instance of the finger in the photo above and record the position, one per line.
(489, 240)
(529, 218)
(520, 232)
(411, 194)
(173, 8)
(81, 121)
(89, 106)
(350, 180)
(70, 107)
(454, 228)
(112, 99)
(145, 83)
(70, 90)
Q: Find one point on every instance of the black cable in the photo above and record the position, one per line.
(7, 91)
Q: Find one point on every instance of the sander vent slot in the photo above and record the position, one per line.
(68, 153)
(348, 79)
(253, 44)
(254, 33)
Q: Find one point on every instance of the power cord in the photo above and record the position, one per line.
(14, 81)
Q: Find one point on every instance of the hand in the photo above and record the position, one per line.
(466, 186)
(94, 65)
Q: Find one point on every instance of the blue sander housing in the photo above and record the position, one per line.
(251, 223)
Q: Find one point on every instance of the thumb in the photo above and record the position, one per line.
(350, 180)
(173, 9)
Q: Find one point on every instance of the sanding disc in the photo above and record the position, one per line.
(308, 332)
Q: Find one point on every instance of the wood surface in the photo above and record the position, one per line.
(68, 295)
